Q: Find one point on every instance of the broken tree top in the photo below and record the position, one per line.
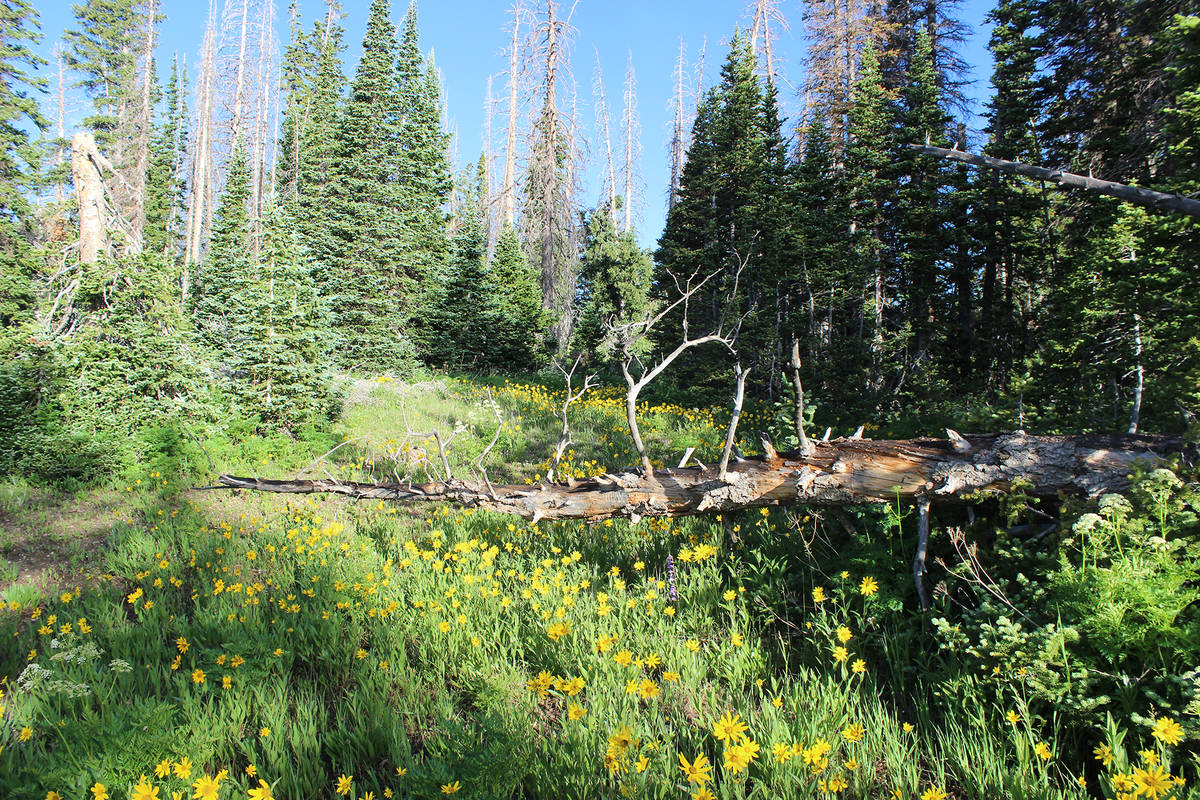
(838, 472)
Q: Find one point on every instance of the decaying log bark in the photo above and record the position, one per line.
(1175, 203)
(838, 472)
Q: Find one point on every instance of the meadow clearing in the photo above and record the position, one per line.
(216, 645)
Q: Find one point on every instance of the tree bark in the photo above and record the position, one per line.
(1134, 194)
(86, 165)
(840, 472)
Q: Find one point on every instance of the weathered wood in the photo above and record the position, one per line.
(1175, 203)
(87, 163)
(840, 472)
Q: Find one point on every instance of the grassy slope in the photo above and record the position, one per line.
(314, 639)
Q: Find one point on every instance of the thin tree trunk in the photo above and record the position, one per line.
(602, 113)
(509, 190)
(1141, 375)
(630, 120)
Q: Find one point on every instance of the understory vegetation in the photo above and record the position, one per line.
(216, 640)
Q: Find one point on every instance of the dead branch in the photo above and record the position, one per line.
(1162, 201)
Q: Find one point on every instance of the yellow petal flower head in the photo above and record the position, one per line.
(344, 782)
(933, 793)
(263, 792)
(729, 727)
(99, 791)
(868, 587)
(451, 788)
(1152, 782)
(144, 790)
(818, 595)
(699, 771)
(1104, 754)
(1168, 731)
(853, 733)
(163, 768)
(183, 768)
(1043, 751)
(206, 788)
(575, 712)
(843, 634)
(1013, 717)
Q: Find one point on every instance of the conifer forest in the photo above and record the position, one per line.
(811, 415)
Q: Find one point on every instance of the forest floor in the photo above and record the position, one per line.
(214, 642)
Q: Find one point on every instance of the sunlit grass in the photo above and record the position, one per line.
(373, 652)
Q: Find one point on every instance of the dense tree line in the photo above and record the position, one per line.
(916, 286)
(911, 286)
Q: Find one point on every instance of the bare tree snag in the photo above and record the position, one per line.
(1133, 194)
(798, 403)
(840, 472)
(86, 164)
(922, 547)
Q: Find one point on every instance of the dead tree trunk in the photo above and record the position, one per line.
(839, 472)
(1133, 194)
(86, 165)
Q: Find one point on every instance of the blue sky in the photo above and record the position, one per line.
(467, 39)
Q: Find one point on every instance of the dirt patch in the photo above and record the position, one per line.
(49, 534)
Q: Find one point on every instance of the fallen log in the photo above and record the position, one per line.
(835, 473)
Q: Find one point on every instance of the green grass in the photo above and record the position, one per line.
(418, 650)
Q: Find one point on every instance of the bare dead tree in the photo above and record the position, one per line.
(508, 190)
(1174, 203)
(570, 396)
(680, 126)
(609, 189)
(766, 13)
(631, 134)
(88, 166)
(838, 31)
(549, 214)
(628, 336)
(201, 187)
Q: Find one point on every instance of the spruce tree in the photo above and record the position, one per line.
(423, 174)
(723, 218)
(18, 111)
(103, 50)
(215, 296)
(278, 352)
(318, 159)
(164, 179)
(615, 277)
(365, 280)
(463, 308)
(1017, 251)
(520, 319)
(920, 212)
(870, 151)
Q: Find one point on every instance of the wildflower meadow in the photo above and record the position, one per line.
(222, 645)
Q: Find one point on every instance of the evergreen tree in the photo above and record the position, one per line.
(297, 75)
(869, 183)
(215, 297)
(1017, 252)
(318, 158)
(164, 180)
(278, 346)
(365, 280)
(464, 314)
(104, 50)
(423, 172)
(615, 277)
(920, 212)
(18, 109)
(520, 319)
(731, 188)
